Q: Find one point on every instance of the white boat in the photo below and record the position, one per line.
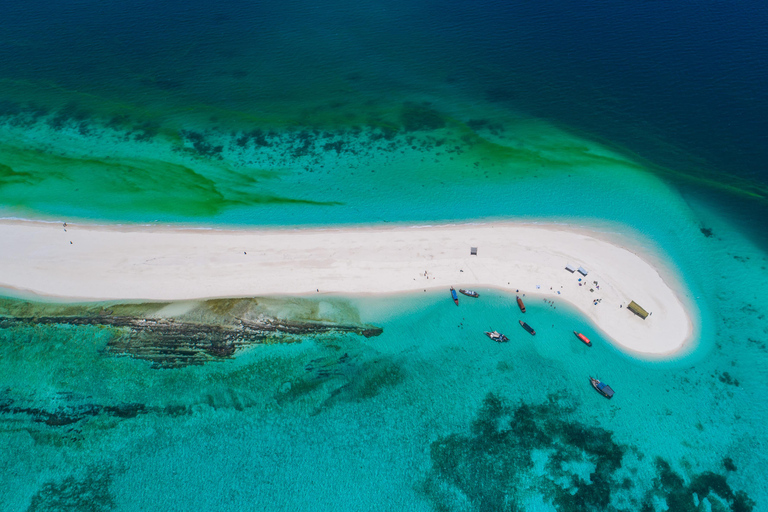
(497, 336)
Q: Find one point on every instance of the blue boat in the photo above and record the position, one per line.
(455, 297)
(601, 387)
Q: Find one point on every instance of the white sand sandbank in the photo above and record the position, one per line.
(113, 262)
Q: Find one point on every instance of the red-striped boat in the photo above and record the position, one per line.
(583, 338)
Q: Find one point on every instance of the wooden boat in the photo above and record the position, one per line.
(497, 336)
(520, 304)
(583, 338)
(601, 387)
(469, 293)
(528, 328)
(455, 297)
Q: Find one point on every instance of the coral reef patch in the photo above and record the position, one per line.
(512, 453)
(202, 332)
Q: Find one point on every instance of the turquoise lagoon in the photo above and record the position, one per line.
(216, 131)
(428, 416)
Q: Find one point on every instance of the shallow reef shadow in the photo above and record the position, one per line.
(493, 467)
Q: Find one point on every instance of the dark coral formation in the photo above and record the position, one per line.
(420, 117)
(206, 331)
(680, 497)
(89, 493)
(726, 378)
(170, 343)
(70, 411)
(492, 466)
(257, 137)
(332, 380)
(201, 146)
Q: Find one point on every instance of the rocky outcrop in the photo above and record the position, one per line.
(173, 343)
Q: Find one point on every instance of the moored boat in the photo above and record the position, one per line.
(469, 293)
(497, 336)
(583, 338)
(520, 304)
(601, 387)
(528, 328)
(455, 297)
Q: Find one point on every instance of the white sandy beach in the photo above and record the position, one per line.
(113, 262)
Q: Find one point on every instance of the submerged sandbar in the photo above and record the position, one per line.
(166, 263)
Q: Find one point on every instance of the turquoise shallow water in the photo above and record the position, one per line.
(646, 122)
(430, 414)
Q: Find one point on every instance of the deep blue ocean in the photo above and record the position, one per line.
(644, 119)
(679, 84)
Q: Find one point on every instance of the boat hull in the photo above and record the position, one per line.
(469, 293)
(520, 304)
(583, 338)
(602, 388)
(455, 297)
(528, 328)
(497, 337)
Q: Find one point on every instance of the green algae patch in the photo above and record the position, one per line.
(75, 164)
(454, 143)
(41, 181)
(124, 185)
(10, 177)
(214, 311)
(535, 145)
(179, 334)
